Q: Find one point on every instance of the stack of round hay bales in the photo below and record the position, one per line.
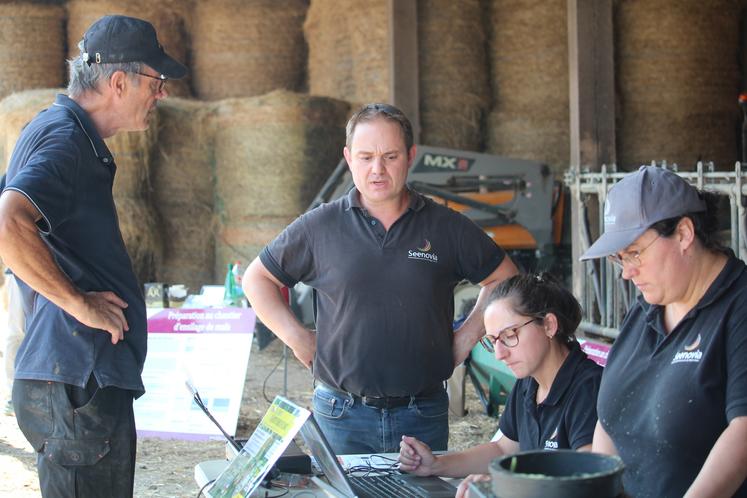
(131, 183)
(32, 41)
(132, 194)
(678, 81)
(528, 52)
(248, 47)
(170, 18)
(349, 49)
(454, 86)
(272, 154)
(330, 62)
(183, 193)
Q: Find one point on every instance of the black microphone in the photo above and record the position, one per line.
(198, 400)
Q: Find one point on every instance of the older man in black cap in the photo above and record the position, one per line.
(79, 366)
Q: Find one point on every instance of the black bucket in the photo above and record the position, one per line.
(557, 474)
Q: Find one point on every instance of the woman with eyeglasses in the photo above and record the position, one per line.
(530, 321)
(673, 400)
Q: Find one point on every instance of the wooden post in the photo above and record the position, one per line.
(403, 60)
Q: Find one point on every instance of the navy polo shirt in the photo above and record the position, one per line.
(666, 398)
(61, 164)
(385, 299)
(566, 418)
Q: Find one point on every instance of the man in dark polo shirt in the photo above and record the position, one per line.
(78, 368)
(384, 261)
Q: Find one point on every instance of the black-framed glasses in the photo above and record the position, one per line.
(161, 80)
(509, 337)
(631, 258)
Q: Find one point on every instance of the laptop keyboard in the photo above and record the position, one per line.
(386, 487)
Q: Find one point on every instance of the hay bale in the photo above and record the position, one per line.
(248, 47)
(171, 19)
(330, 53)
(272, 154)
(16, 110)
(678, 81)
(183, 193)
(454, 87)
(243, 241)
(32, 40)
(137, 222)
(349, 49)
(528, 53)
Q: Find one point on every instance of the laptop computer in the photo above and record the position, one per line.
(383, 486)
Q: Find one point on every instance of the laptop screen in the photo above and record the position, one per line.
(325, 457)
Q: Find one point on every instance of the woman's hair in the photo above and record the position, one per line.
(705, 224)
(536, 295)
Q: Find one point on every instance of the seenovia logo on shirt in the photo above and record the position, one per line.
(423, 253)
(690, 353)
(551, 444)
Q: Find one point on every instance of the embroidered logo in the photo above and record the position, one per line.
(423, 253)
(551, 444)
(690, 354)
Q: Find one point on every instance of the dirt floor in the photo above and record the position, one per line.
(165, 468)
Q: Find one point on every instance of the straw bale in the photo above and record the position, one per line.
(137, 222)
(32, 41)
(528, 53)
(330, 57)
(248, 47)
(273, 153)
(454, 87)
(132, 155)
(678, 79)
(527, 137)
(16, 110)
(244, 241)
(349, 49)
(183, 193)
(171, 19)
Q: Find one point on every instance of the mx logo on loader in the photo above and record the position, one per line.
(442, 162)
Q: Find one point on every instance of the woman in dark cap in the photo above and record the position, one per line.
(673, 400)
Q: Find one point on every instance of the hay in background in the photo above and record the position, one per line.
(330, 53)
(171, 19)
(678, 81)
(137, 222)
(32, 41)
(528, 53)
(248, 47)
(183, 193)
(272, 154)
(243, 241)
(16, 110)
(454, 87)
(132, 155)
(349, 49)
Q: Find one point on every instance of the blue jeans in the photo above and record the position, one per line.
(353, 427)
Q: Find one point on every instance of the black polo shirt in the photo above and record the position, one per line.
(385, 299)
(61, 164)
(568, 415)
(666, 398)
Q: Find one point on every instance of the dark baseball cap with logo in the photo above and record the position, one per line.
(639, 200)
(117, 39)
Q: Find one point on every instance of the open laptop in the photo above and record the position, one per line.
(385, 486)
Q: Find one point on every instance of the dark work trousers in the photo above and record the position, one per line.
(84, 438)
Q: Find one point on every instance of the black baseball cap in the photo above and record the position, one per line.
(116, 39)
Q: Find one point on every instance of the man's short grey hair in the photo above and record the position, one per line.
(84, 77)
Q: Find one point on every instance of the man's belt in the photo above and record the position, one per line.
(386, 402)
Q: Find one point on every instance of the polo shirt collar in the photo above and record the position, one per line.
(563, 379)
(353, 200)
(100, 150)
(732, 271)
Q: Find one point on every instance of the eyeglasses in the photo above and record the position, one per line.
(631, 258)
(161, 80)
(509, 337)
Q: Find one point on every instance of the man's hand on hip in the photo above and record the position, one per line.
(103, 310)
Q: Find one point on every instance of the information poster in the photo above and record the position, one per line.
(208, 347)
(274, 433)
